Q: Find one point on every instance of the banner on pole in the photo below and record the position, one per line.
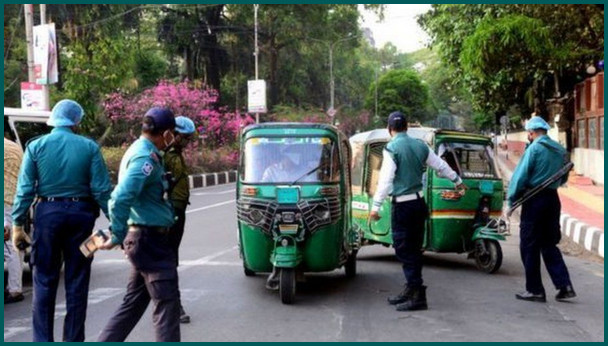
(31, 96)
(45, 54)
(256, 92)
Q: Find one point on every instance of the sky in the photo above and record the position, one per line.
(399, 26)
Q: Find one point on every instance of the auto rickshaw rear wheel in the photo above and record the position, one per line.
(489, 260)
(287, 285)
(350, 267)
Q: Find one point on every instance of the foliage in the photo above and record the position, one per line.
(401, 90)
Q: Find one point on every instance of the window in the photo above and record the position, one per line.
(602, 133)
(600, 91)
(588, 95)
(592, 133)
(469, 160)
(579, 98)
(582, 138)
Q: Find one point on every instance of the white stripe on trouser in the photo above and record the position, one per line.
(14, 262)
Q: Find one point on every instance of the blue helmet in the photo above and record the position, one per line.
(66, 113)
(184, 125)
(162, 120)
(536, 123)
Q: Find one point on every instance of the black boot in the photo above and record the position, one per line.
(401, 297)
(565, 293)
(183, 316)
(416, 301)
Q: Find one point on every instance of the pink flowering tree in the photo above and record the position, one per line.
(217, 147)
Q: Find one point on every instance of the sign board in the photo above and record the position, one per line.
(45, 54)
(331, 112)
(31, 96)
(256, 92)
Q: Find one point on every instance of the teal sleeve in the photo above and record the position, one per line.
(101, 187)
(125, 194)
(521, 176)
(26, 189)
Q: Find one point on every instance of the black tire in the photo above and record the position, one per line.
(350, 267)
(248, 272)
(492, 260)
(287, 285)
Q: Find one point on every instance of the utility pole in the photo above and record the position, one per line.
(256, 52)
(45, 87)
(29, 36)
(376, 96)
(331, 76)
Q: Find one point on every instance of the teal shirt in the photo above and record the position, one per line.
(61, 164)
(543, 158)
(140, 197)
(410, 156)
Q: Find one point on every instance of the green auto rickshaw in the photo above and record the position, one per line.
(461, 223)
(293, 202)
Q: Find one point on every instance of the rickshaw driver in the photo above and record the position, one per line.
(288, 169)
(401, 175)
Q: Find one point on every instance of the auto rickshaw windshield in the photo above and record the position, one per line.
(286, 160)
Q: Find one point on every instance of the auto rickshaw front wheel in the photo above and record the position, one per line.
(350, 267)
(488, 255)
(287, 285)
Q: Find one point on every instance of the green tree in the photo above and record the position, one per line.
(401, 90)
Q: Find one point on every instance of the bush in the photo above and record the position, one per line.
(112, 156)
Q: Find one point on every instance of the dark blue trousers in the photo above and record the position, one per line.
(539, 235)
(59, 229)
(407, 223)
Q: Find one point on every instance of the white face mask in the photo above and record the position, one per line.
(167, 145)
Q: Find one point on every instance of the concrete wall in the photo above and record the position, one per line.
(590, 163)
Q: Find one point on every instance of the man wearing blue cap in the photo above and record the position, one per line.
(141, 217)
(68, 176)
(539, 226)
(403, 163)
(175, 165)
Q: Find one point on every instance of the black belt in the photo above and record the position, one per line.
(66, 199)
(156, 229)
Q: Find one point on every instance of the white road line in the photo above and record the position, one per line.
(210, 206)
(214, 193)
(204, 260)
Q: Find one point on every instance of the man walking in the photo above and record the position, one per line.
(175, 165)
(67, 174)
(404, 159)
(141, 218)
(539, 227)
(13, 155)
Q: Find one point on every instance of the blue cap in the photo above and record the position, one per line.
(163, 118)
(536, 123)
(66, 113)
(397, 119)
(184, 125)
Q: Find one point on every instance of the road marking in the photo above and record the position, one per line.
(214, 193)
(210, 206)
(204, 260)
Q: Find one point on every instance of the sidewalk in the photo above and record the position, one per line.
(582, 218)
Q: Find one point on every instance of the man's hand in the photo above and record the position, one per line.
(461, 188)
(20, 239)
(108, 245)
(374, 216)
(7, 232)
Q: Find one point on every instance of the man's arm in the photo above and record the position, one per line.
(125, 194)
(101, 187)
(521, 176)
(26, 189)
(443, 169)
(385, 181)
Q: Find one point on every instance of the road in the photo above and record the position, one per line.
(465, 304)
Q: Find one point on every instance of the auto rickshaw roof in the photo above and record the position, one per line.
(301, 129)
(467, 136)
(421, 133)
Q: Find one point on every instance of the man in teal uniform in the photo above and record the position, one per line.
(67, 175)
(539, 226)
(403, 163)
(175, 165)
(141, 218)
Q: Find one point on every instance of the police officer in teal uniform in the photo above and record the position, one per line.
(403, 163)
(67, 175)
(539, 226)
(141, 218)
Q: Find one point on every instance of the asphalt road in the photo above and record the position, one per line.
(465, 304)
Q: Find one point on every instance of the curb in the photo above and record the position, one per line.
(211, 179)
(590, 238)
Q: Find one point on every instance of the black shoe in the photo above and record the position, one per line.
(416, 300)
(273, 281)
(13, 298)
(183, 317)
(531, 297)
(402, 297)
(565, 293)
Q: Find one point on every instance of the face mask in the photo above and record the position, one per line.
(168, 145)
